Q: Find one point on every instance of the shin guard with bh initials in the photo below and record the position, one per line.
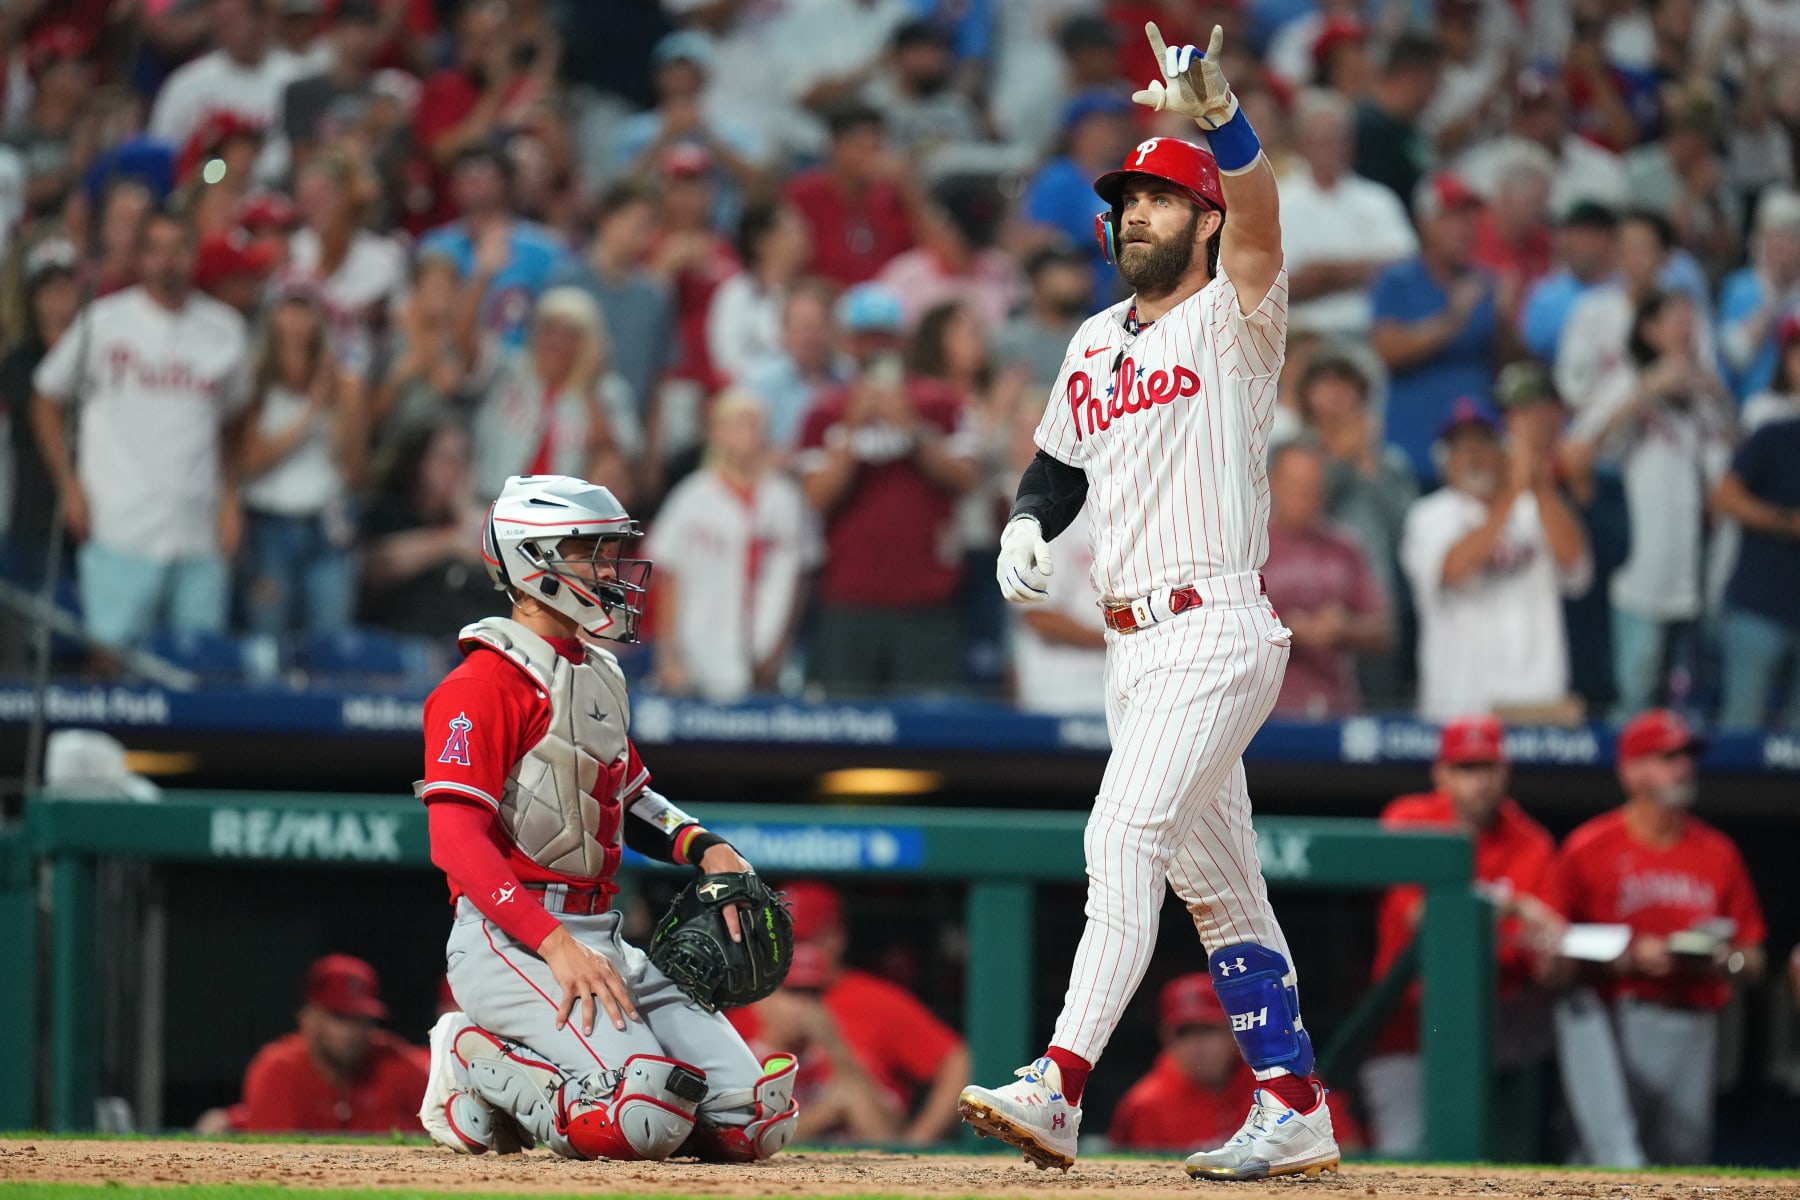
(1256, 987)
(643, 1110)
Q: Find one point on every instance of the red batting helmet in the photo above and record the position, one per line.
(1189, 167)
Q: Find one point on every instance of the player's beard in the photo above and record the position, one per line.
(1159, 267)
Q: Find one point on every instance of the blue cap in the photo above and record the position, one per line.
(869, 308)
(1091, 103)
(1469, 411)
(149, 160)
(688, 44)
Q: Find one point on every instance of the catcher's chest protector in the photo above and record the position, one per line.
(548, 806)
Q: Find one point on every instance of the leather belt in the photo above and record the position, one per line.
(1129, 618)
(573, 900)
(1139, 614)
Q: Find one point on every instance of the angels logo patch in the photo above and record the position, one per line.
(456, 746)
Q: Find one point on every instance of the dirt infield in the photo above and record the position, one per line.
(798, 1174)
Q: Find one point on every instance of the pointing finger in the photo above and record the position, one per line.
(1156, 42)
(1215, 44)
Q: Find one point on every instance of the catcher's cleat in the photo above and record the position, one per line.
(1030, 1115)
(1274, 1140)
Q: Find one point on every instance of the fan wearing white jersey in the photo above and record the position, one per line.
(1159, 421)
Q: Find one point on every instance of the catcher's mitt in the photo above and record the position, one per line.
(693, 947)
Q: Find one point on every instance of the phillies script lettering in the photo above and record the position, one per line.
(172, 376)
(1130, 393)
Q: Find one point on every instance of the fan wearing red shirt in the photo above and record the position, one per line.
(875, 1045)
(534, 789)
(857, 205)
(1696, 928)
(883, 461)
(1193, 1094)
(337, 1073)
(1512, 859)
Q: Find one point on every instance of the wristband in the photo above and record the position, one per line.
(1235, 146)
(697, 845)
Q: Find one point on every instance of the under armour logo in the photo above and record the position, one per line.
(712, 891)
(1226, 969)
(595, 712)
(504, 892)
(1058, 1121)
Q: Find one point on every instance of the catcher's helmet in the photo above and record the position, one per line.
(1188, 166)
(532, 517)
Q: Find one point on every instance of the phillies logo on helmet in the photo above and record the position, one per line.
(1188, 166)
(1130, 392)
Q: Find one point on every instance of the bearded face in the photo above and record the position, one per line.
(1155, 266)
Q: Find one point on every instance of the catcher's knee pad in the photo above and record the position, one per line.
(1256, 987)
(771, 1111)
(648, 1116)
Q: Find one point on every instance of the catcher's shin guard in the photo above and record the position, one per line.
(645, 1110)
(772, 1112)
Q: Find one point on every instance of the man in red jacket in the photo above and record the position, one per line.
(337, 1073)
(1639, 1045)
(1512, 858)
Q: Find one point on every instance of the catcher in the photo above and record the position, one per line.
(570, 1037)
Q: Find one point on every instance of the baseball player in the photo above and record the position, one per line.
(533, 790)
(1159, 421)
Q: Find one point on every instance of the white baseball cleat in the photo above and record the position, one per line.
(1030, 1115)
(1274, 1140)
(453, 1115)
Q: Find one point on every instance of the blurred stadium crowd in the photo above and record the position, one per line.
(795, 277)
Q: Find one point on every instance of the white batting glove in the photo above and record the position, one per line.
(1024, 568)
(1192, 83)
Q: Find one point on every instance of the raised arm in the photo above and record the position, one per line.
(1194, 85)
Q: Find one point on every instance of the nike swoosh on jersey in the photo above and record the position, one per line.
(1096, 350)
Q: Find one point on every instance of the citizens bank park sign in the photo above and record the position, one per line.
(918, 725)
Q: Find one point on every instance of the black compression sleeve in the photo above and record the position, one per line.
(1052, 491)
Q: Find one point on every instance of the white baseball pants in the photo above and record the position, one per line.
(1183, 697)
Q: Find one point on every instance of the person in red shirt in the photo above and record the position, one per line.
(1194, 1092)
(1512, 234)
(337, 1073)
(1512, 859)
(878, 1046)
(1639, 1039)
(690, 257)
(534, 789)
(859, 205)
(883, 461)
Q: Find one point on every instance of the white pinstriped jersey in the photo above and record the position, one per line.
(1171, 427)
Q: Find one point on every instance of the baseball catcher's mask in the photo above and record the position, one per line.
(564, 541)
(693, 947)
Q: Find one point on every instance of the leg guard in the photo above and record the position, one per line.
(1256, 986)
(644, 1110)
(770, 1108)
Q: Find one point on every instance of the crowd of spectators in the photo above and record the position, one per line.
(293, 285)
